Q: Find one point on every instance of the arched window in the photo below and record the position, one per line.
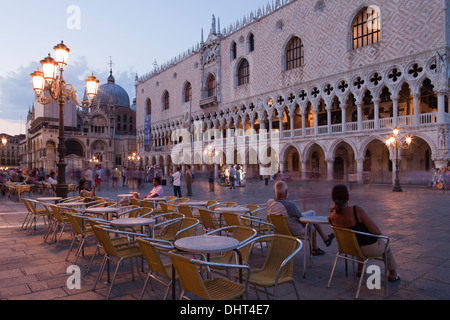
(166, 103)
(233, 51)
(188, 92)
(366, 27)
(211, 85)
(294, 53)
(251, 43)
(243, 72)
(149, 106)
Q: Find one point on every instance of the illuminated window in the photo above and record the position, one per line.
(366, 28)
(188, 92)
(166, 102)
(211, 86)
(243, 72)
(294, 53)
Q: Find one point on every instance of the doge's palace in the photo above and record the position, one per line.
(306, 87)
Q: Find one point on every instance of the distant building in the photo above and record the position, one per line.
(106, 132)
(332, 78)
(9, 152)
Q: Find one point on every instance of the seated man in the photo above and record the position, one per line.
(281, 206)
(156, 192)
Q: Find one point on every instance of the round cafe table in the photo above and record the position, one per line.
(237, 210)
(193, 203)
(132, 222)
(309, 222)
(206, 244)
(105, 211)
(49, 199)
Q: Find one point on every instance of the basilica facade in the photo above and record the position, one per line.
(102, 136)
(315, 86)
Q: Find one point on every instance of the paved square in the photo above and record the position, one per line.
(417, 220)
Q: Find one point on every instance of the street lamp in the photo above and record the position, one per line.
(394, 142)
(134, 158)
(60, 92)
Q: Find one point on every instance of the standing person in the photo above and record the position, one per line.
(98, 179)
(232, 177)
(189, 180)
(177, 183)
(355, 218)
(124, 176)
(88, 176)
(115, 177)
(211, 178)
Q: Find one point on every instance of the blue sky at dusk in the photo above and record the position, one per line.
(133, 33)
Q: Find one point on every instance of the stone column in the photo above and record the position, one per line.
(441, 107)
(395, 111)
(416, 108)
(344, 118)
(330, 163)
(376, 112)
(360, 169)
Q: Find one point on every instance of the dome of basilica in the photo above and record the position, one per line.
(111, 94)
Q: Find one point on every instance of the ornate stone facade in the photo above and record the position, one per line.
(106, 131)
(334, 112)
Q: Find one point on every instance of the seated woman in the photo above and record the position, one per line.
(355, 218)
(84, 190)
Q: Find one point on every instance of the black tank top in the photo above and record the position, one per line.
(363, 240)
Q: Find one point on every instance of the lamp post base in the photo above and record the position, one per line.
(397, 189)
(62, 190)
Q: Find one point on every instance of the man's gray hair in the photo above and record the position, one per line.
(280, 188)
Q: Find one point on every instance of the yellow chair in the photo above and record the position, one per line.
(211, 204)
(150, 249)
(81, 233)
(114, 253)
(217, 288)
(244, 235)
(135, 202)
(177, 228)
(232, 219)
(36, 213)
(61, 221)
(281, 225)
(181, 200)
(29, 213)
(278, 266)
(211, 220)
(349, 250)
(118, 241)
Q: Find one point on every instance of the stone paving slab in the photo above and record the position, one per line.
(417, 220)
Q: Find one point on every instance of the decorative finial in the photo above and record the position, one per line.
(111, 63)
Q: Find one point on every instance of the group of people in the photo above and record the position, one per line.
(29, 176)
(440, 179)
(341, 215)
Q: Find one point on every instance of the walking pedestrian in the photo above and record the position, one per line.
(189, 180)
(177, 183)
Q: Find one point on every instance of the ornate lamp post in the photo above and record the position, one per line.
(60, 92)
(396, 143)
(134, 158)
